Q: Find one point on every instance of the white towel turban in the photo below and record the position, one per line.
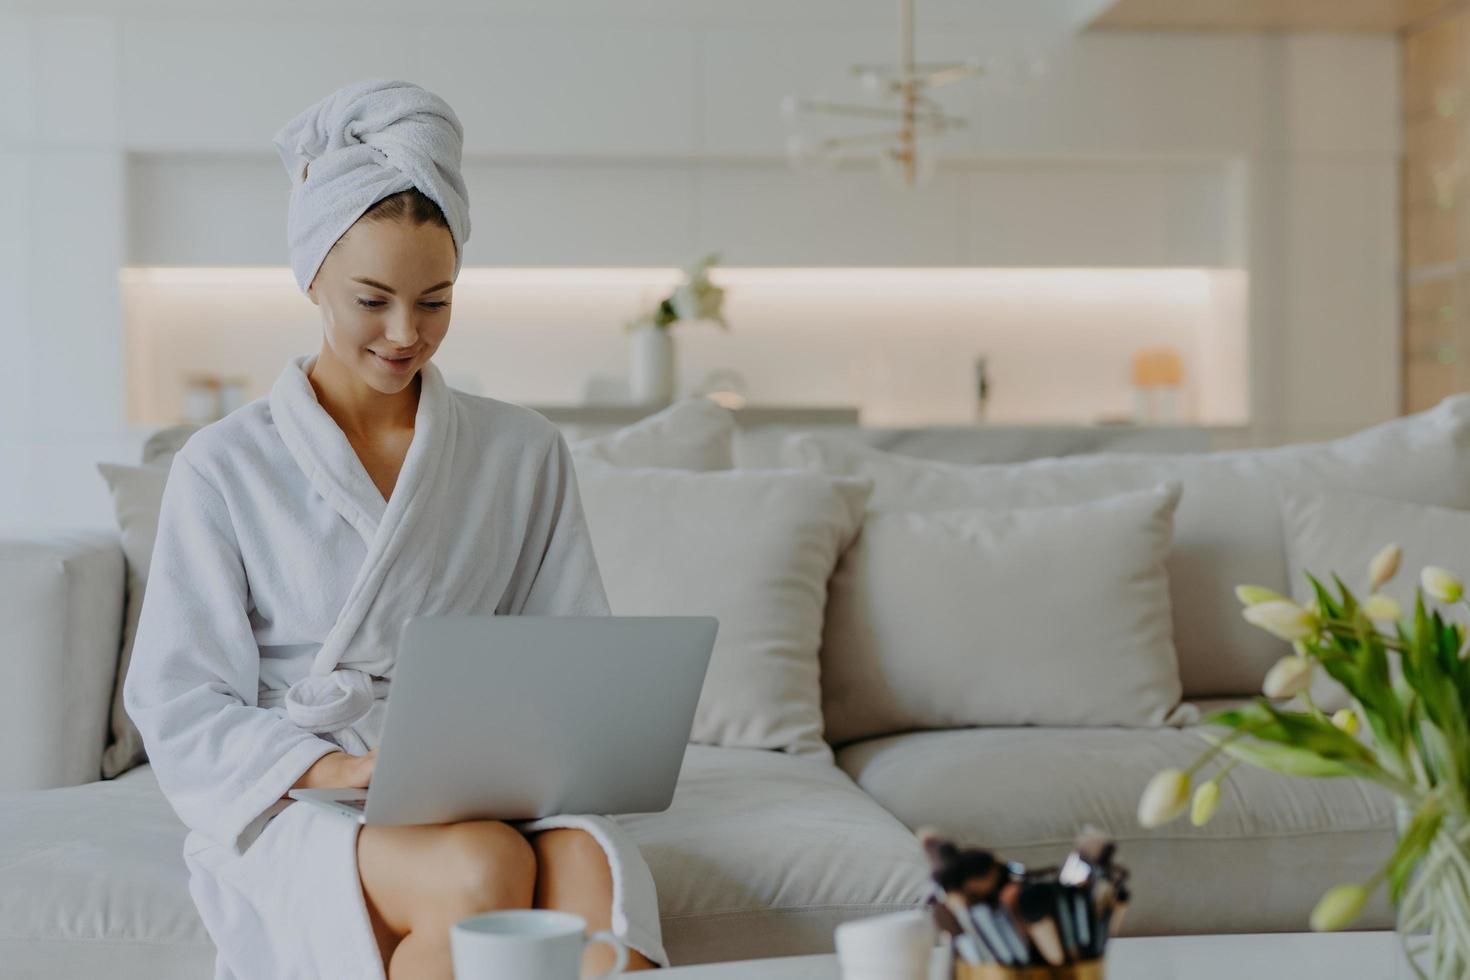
(364, 142)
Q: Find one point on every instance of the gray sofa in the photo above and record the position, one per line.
(761, 853)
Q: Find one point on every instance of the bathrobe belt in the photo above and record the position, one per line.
(328, 703)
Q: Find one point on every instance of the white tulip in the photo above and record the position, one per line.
(1441, 584)
(1380, 607)
(1384, 566)
(1164, 799)
(1250, 595)
(1288, 677)
(1283, 618)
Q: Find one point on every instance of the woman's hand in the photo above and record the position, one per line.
(339, 770)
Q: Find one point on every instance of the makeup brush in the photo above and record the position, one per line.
(1010, 919)
(995, 935)
(944, 918)
(1115, 925)
(1035, 906)
(1066, 917)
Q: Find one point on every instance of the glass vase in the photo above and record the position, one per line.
(1434, 912)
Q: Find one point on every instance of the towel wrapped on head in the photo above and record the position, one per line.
(364, 142)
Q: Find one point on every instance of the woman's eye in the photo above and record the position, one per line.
(370, 303)
(436, 306)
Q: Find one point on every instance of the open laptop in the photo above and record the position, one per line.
(517, 717)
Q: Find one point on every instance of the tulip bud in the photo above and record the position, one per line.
(1441, 584)
(1283, 618)
(1206, 799)
(1249, 595)
(1380, 607)
(1384, 566)
(1288, 677)
(1347, 720)
(1164, 798)
(1339, 907)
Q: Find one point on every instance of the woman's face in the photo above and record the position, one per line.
(384, 291)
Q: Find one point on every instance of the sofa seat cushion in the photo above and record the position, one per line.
(1275, 844)
(764, 853)
(761, 854)
(92, 883)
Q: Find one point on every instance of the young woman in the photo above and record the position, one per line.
(297, 534)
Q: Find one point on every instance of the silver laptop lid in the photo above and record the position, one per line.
(516, 717)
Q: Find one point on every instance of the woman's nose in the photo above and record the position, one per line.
(401, 332)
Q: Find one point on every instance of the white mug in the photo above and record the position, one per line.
(526, 944)
(895, 946)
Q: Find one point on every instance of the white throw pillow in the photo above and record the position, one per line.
(1045, 616)
(137, 497)
(1338, 533)
(1227, 529)
(691, 434)
(753, 548)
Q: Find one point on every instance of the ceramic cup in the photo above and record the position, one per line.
(526, 944)
(886, 947)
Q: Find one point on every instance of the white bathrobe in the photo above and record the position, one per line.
(279, 580)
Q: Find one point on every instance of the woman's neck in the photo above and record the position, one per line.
(358, 408)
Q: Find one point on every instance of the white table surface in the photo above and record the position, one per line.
(1297, 956)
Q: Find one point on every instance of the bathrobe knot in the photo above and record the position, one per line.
(328, 703)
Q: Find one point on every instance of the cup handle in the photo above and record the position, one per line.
(603, 936)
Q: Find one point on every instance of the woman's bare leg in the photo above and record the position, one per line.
(419, 880)
(572, 875)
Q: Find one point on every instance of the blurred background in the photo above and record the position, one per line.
(1235, 223)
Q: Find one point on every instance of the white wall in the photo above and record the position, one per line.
(647, 141)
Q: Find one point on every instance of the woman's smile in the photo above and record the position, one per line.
(394, 364)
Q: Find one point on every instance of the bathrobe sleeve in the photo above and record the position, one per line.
(556, 572)
(192, 688)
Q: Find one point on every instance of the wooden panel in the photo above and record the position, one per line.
(1430, 236)
(1257, 15)
(1428, 383)
(1435, 67)
(1433, 165)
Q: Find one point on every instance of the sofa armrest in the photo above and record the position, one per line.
(61, 616)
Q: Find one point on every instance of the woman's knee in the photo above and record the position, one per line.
(489, 864)
(570, 849)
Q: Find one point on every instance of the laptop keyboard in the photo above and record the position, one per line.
(355, 804)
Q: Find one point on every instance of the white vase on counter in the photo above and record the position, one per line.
(651, 364)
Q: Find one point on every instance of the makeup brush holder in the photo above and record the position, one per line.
(1084, 970)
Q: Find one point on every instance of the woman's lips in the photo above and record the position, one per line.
(400, 364)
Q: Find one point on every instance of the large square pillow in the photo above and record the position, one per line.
(753, 548)
(1040, 616)
(1227, 529)
(1338, 532)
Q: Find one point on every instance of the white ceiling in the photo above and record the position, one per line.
(1035, 18)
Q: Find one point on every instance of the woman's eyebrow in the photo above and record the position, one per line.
(389, 289)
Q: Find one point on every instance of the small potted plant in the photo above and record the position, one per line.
(651, 374)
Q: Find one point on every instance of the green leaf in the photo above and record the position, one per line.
(1286, 759)
(1412, 846)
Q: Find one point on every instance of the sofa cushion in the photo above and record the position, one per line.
(753, 548)
(1033, 616)
(760, 854)
(1274, 846)
(763, 854)
(137, 496)
(1227, 530)
(93, 884)
(61, 603)
(691, 434)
